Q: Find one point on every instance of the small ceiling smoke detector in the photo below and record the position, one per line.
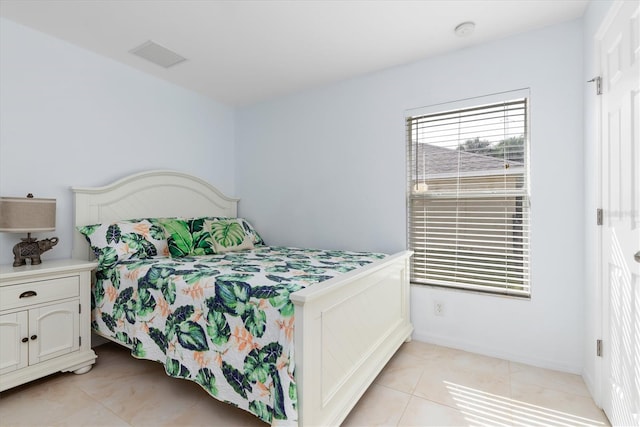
(465, 29)
(159, 55)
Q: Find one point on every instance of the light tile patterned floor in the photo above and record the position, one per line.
(423, 385)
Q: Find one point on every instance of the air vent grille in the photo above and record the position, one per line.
(159, 55)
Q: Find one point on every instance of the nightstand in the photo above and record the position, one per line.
(45, 320)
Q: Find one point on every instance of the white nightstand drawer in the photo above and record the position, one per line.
(38, 292)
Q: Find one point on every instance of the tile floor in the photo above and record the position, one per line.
(423, 385)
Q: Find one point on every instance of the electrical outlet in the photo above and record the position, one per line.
(438, 308)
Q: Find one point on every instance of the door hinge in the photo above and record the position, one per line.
(599, 216)
(79, 341)
(79, 308)
(598, 82)
(599, 348)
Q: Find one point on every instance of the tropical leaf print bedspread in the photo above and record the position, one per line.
(224, 321)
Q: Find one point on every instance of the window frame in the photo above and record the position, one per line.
(521, 200)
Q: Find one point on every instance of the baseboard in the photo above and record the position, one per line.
(492, 352)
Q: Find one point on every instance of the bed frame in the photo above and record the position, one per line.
(334, 365)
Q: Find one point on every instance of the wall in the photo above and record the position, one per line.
(326, 168)
(593, 18)
(72, 118)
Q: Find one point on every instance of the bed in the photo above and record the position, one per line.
(322, 368)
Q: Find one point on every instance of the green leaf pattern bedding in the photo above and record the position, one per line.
(224, 321)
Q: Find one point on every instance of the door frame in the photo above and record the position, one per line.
(597, 391)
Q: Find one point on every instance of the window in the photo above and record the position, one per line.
(468, 201)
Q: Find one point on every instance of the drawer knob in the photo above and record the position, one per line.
(34, 337)
(28, 294)
(25, 339)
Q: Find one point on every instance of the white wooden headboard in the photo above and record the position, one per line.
(153, 194)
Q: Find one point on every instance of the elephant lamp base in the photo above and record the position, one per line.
(30, 248)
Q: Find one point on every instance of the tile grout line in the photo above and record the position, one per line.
(101, 405)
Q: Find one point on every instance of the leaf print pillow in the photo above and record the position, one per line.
(127, 239)
(187, 237)
(228, 235)
(248, 228)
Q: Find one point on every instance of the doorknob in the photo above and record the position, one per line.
(637, 256)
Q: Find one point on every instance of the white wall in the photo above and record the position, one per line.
(69, 117)
(326, 168)
(592, 20)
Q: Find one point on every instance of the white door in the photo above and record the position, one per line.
(620, 167)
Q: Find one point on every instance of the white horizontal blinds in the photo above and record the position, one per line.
(468, 199)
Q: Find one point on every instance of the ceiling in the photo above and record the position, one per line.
(244, 52)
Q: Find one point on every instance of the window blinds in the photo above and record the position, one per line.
(468, 202)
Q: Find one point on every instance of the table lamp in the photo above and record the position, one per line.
(28, 215)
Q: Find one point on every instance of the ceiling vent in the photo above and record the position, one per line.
(159, 55)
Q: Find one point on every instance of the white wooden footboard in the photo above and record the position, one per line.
(346, 330)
